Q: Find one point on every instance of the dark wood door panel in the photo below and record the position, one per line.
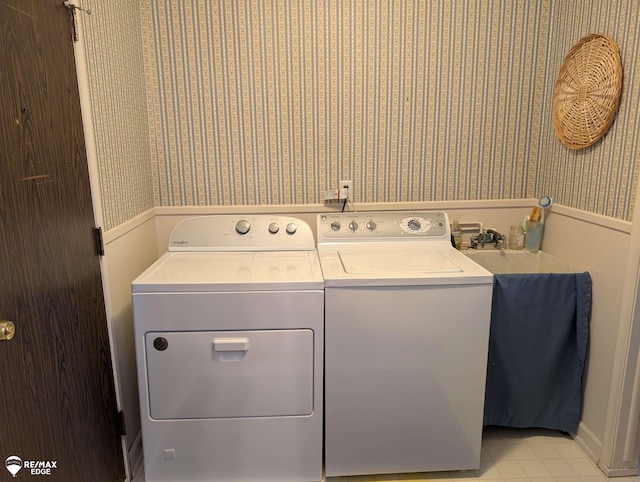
(57, 397)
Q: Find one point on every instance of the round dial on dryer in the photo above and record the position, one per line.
(291, 228)
(371, 225)
(335, 226)
(353, 226)
(243, 226)
(274, 228)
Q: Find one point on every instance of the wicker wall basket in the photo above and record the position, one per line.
(587, 92)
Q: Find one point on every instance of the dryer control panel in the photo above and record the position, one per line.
(242, 233)
(383, 226)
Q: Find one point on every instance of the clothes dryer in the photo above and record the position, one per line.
(406, 339)
(229, 346)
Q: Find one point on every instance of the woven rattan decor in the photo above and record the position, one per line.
(587, 92)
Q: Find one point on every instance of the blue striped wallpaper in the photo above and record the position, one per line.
(113, 50)
(273, 101)
(601, 179)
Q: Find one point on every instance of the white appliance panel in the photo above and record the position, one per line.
(406, 338)
(400, 392)
(241, 448)
(229, 374)
(237, 392)
(252, 233)
(234, 450)
(365, 227)
(229, 311)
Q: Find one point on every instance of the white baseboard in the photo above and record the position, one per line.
(618, 472)
(588, 442)
(135, 456)
(593, 448)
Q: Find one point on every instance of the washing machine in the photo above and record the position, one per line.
(229, 344)
(406, 339)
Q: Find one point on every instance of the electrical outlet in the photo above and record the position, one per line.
(345, 190)
(331, 196)
(343, 193)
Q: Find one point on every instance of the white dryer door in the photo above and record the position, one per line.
(222, 374)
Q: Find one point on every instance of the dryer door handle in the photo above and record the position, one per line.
(231, 344)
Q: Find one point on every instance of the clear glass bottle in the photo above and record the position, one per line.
(516, 237)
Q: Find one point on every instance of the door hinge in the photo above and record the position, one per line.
(99, 241)
(121, 426)
(74, 22)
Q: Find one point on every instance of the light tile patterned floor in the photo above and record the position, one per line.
(516, 455)
(533, 455)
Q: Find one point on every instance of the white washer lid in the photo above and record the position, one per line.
(398, 264)
(231, 271)
(418, 262)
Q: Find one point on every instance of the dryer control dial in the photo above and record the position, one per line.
(335, 226)
(291, 228)
(274, 228)
(243, 226)
(371, 225)
(353, 226)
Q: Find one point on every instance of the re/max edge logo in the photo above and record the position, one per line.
(15, 464)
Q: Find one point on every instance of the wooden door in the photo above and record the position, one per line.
(57, 396)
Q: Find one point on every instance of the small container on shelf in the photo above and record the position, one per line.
(533, 235)
(516, 237)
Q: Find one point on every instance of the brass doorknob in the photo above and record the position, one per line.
(7, 330)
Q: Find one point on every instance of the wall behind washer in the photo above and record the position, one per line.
(227, 103)
(260, 103)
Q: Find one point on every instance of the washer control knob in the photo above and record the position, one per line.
(371, 225)
(291, 228)
(274, 228)
(414, 225)
(353, 226)
(243, 226)
(335, 226)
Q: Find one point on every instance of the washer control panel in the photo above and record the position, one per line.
(242, 233)
(381, 226)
